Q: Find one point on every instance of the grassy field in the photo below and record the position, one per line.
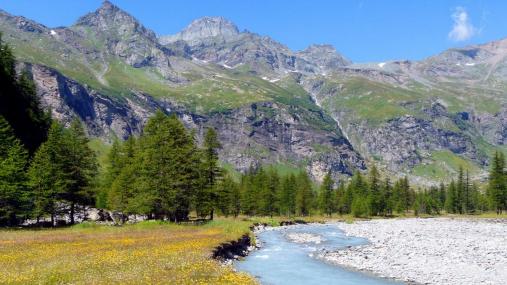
(146, 253)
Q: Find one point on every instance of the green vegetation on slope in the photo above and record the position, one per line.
(442, 163)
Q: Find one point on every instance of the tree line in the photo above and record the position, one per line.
(264, 192)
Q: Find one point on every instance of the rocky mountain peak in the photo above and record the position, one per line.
(204, 28)
(110, 18)
(324, 55)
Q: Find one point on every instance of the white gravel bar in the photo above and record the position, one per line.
(429, 251)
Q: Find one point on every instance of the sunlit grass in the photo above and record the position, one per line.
(146, 253)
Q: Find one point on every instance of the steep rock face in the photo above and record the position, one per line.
(493, 127)
(67, 99)
(202, 29)
(406, 141)
(271, 133)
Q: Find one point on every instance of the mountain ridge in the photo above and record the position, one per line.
(454, 101)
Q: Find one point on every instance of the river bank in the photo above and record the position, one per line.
(428, 251)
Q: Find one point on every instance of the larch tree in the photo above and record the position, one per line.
(212, 173)
(80, 166)
(327, 195)
(13, 160)
(497, 187)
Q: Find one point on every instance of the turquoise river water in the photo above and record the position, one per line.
(281, 261)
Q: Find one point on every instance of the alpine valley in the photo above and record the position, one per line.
(311, 109)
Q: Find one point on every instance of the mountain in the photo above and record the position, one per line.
(311, 109)
(204, 28)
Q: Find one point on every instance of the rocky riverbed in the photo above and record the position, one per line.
(428, 251)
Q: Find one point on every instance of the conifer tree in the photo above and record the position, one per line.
(327, 195)
(270, 193)
(340, 199)
(387, 197)
(80, 167)
(497, 188)
(226, 196)
(19, 104)
(48, 173)
(249, 194)
(450, 200)
(13, 159)
(304, 194)
(460, 189)
(348, 197)
(235, 199)
(120, 182)
(169, 168)
(288, 196)
(375, 206)
(206, 196)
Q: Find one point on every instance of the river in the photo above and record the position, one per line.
(281, 260)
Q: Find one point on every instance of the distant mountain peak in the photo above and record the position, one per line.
(325, 55)
(204, 28)
(110, 18)
(320, 47)
(106, 15)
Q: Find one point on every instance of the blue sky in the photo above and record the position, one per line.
(361, 30)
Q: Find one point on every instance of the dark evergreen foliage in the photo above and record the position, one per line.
(19, 104)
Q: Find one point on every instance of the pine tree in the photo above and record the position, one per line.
(460, 192)
(441, 195)
(120, 183)
(48, 177)
(19, 104)
(348, 198)
(387, 197)
(288, 196)
(497, 187)
(45, 186)
(359, 186)
(235, 200)
(80, 166)
(169, 164)
(249, 193)
(340, 199)
(375, 206)
(270, 193)
(13, 159)
(108, 175)
(226, 191)
(359, 207)
(304, 194)
(450, 199)
(212, 172)
(327, 195)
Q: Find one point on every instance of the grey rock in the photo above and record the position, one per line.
(204, 28)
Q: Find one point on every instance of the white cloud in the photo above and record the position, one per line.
(462, 28)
